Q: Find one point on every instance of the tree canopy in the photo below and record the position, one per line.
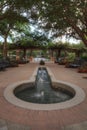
(65, 17)
(10, 9)
(59, 17)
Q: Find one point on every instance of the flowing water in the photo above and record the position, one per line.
(42, 92)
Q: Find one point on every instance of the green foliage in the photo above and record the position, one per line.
(78, 46)
(84, 56)
(65, 17)
(26, 38)
(70, 57)
(11, 8)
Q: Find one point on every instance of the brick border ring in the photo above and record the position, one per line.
(77, 99)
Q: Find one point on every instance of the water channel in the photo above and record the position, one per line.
(43, 92)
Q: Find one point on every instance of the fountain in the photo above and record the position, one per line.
(44, 92)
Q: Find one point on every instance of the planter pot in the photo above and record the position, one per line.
(82, 70)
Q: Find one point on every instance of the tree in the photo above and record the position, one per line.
(11, 13)
(9, 9)
(6, 28)
(26, 39)
(65, 17)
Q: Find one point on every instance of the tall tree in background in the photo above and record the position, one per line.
(6, 28)
(65, 17)
(9, 9)
(11, 12)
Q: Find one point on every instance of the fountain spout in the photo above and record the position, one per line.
(42, 93)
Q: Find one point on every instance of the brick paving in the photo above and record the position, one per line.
(16, 118)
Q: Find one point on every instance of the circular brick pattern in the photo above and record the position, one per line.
(43, 120)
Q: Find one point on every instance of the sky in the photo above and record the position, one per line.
(62, 38)
(1, 39)
(70, 40)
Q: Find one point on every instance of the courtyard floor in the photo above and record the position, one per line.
(15, 118)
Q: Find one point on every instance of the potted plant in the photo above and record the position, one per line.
(42, 62)
(83, 68)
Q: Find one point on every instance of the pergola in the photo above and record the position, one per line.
(22, 47)
(59, 49)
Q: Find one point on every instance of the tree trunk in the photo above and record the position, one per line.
(77, 54)
(31, 52)
(81, 34)
(24, 53)
(59, 53)
(52, 53)
(5, 49)
(56, 54)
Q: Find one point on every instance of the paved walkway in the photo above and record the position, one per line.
(16, 118)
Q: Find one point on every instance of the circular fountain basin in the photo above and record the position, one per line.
(44, 94)
(75, 93)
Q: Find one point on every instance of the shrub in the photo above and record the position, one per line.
(42, 62)
(83, 68)
(70, 57)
